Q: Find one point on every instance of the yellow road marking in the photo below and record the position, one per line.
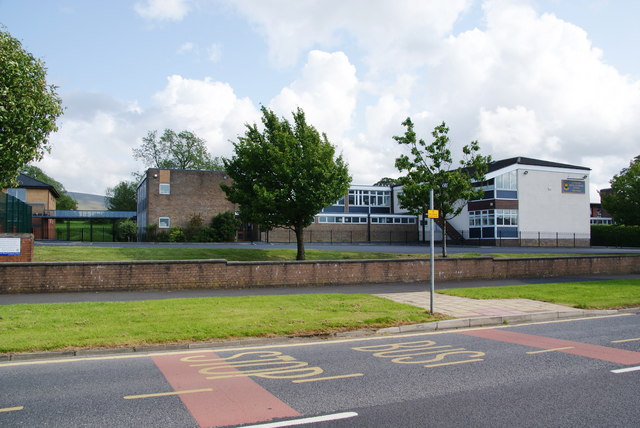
(542, 351)
(11, 409)
(293, 345)
(328, 378)
(454, 362)
(164, 394)
(625, 340)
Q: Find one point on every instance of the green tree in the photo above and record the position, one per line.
(29, 108)
(64, 202)
(386, 181)
(623, 202)
(284, 175)
(127, 230)
(431, 166)
(224, 226)
(122, 197)
(182, 150)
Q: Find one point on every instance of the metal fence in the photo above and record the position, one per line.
(532, 239)
(345, 236)
(15, 215)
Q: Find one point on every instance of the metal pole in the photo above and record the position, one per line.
(432, 262)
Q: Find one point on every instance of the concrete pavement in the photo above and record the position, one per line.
(461, 307)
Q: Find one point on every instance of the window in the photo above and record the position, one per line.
(370, 198)
(164, 223)
(507, 181)
(481, 218)
(341, 219)
(18, 194)
(165, 188)
(507, 217)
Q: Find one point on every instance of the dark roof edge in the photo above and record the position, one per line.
(26, 182)
(521, 160)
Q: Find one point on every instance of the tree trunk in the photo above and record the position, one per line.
(444, 237)
(299, 230)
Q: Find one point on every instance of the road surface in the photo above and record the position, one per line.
(569, 373)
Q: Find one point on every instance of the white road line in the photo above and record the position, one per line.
(293, 422)
(626, 370)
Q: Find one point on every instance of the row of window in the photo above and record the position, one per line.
(493, 217)
(337, 219)
(368, 198)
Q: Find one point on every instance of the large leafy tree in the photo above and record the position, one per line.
(64, 202)
(29, 108)
(623, 202)
(431, 166)
(285, 174)
(386, 181)
(183, 150)
(121, 197)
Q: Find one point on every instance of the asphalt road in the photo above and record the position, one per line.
(543, 374)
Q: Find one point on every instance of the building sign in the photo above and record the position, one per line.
(573, 186)
(9, 246)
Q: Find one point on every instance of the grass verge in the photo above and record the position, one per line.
(585, 295)
(94, 254)
(90, 254)
(28, 328)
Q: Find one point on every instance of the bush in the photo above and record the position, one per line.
(193, 227)
(126, 230)
(225, 226)
(615, 236)
(176, 234)
(162, 236)
(205, 234)
(152, 232)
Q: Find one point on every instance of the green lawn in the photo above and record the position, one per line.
(585, 295)
(37, 327)
(68, 254)
(132, 253)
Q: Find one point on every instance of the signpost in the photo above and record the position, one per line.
(432, 214)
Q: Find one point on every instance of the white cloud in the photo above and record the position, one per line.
(326, 91)
(162, 10)
(93, 149)
(385, 30)
(186, 47)
(532, 84)
(522, 83)
(214, 53)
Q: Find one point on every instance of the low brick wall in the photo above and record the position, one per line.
(206, 274)
(26, 248)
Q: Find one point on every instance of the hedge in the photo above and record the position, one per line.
(615, 236)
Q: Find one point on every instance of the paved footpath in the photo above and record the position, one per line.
(461, 307)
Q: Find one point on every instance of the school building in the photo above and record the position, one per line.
(525, 202)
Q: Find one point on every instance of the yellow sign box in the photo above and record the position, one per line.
(433, 214)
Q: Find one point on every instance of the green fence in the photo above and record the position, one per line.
(15, 215)
(86, 230)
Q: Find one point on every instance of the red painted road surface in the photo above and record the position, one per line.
(605, 353)
(234, 398)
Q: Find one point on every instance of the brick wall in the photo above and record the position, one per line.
(205, 274)
(26, 249)
(191, 192)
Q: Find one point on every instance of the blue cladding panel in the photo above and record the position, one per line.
(507, 194)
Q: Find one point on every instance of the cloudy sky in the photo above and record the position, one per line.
(551, 79)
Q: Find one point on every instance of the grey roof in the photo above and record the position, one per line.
(496, 165)
(26, 182)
